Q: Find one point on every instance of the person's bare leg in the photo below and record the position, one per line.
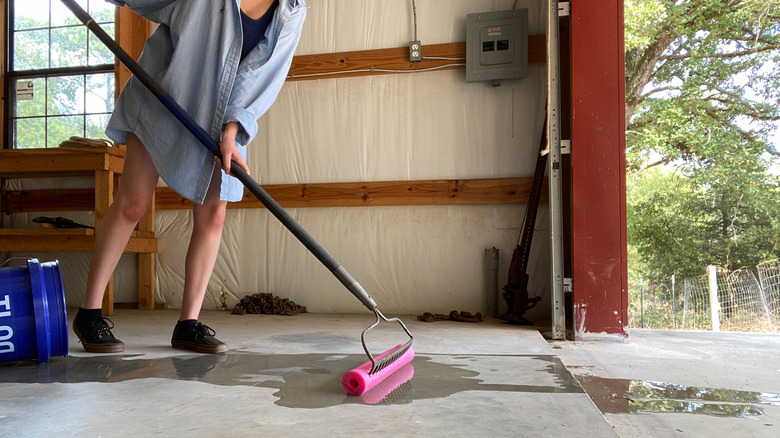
(208, 219)
(139, 179)
(189, 334)
(134, 195)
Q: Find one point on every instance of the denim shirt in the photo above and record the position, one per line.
(195, 56)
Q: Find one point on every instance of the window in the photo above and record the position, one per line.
(59, 78)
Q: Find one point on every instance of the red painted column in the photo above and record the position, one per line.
(599, 242)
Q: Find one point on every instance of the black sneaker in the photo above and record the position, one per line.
(96, 336)
(196, 337)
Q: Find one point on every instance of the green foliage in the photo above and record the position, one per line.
(642, 22)
(702, 107)
(664, 242)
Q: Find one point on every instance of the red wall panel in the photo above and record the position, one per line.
(599, 242)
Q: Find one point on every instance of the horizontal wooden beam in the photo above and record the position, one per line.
(134, 306)
(63, 240)
(49, 200)
(46, 232)
(394, 60)
(374, 194)
(355, 194)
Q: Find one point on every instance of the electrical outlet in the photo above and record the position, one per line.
(415, 51)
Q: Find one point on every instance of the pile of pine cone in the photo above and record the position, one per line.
(267, 304)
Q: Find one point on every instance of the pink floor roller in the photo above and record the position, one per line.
(393, 388)
(360, 380)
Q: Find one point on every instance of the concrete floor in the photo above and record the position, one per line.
(282, 375)
(682, 384)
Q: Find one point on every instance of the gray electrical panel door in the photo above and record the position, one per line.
(497, 45)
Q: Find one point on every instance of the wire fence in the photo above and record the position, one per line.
(769, 279)
(737, 301)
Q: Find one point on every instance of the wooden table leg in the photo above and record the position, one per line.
(146, 267)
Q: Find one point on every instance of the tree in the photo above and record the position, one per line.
(702, 106)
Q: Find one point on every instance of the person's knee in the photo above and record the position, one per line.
(210, 218)
(217, 218)
(132, 208)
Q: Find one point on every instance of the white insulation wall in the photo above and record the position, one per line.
(430, 125)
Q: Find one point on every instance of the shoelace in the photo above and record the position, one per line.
(102, 328)
(201, 329)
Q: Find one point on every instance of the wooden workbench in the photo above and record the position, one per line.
(105, 165)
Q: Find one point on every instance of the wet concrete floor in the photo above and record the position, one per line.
(310, 381)
(627, 396)
(281, 377)
(674, 383)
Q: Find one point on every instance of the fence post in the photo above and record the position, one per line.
(686, 298)
(712, 277)
(641, 303)
(674, 306)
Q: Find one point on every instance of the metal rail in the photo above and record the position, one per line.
(554, 172)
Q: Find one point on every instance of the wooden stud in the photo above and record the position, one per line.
(146, 261)
(131, 33)
(146, 281)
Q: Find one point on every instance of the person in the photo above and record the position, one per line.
(224, 62)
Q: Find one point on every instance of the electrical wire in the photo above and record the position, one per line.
(414, 11)
(374, 70)
(442, 58)
(421, 69)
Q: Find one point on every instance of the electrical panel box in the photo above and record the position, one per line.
(497, 45)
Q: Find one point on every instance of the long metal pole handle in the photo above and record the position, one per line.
(209, 143)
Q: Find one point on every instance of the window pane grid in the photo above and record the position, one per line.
(73, 105)
(70, 72)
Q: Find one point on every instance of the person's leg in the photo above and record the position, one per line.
(208, 219)
(139, 179)
(202, 252)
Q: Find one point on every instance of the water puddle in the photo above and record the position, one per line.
(301, 380)
(616, 396)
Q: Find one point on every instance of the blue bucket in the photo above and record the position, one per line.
(33, 316)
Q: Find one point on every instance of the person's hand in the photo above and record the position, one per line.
(227, 146)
